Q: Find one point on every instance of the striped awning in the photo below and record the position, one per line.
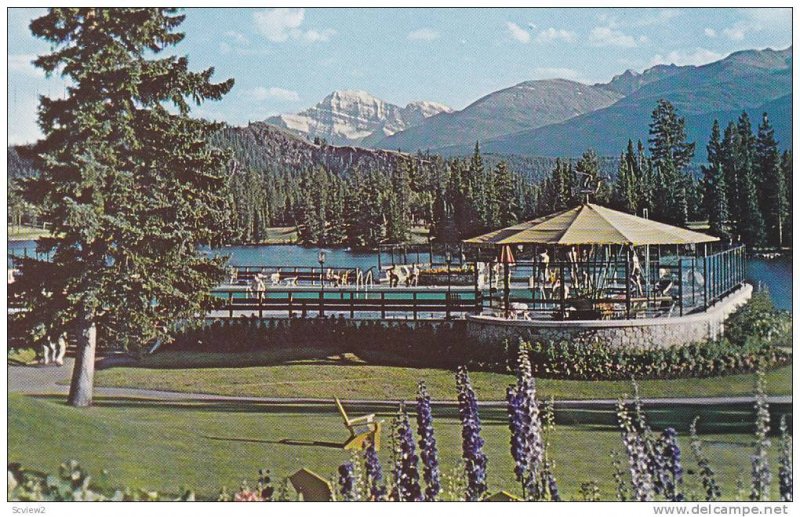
(591, 224)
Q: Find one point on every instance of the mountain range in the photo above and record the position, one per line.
(558, 117)
(354, 117)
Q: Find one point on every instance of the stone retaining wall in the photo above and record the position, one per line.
(649, 333)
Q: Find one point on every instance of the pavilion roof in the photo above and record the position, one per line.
(591, 224)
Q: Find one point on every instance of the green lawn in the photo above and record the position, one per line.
(166, 445)
(281, 235)
(312, 373)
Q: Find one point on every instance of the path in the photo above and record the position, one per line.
(52, 380)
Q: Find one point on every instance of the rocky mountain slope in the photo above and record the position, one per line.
(526, 105)
(752, 81)
(264, 147)
(353, 117)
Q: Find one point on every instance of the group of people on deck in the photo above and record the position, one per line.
(549, 280)
(410, 279)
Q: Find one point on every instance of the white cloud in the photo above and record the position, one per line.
(698, 56)
(279, 25)
(711, 33)
(644, 39)
(237, 37)
(762, 19)
(662, 16)
(423, 34)
(313, 35)
(735, 32)
(553, 34)
(23, 64)
(555, 73)
(260, 93)
(518, 33)
(608, 37)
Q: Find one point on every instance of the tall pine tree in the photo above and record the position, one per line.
(129, 186)
(715, 196)
(670, 153)
(750, 225)
(772, 194)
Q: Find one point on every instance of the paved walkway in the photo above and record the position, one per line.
(53, 380)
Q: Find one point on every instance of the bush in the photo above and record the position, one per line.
(759, 319)
(71, 483)
(600, 362)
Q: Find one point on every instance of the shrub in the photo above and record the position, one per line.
(596, 361)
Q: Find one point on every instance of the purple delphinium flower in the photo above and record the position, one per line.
(405, 470)
(707, 475)
(347, 485)
(527, 444)
(374, 472)
(427, 444)
(472, 444)
(619, 479)
(516, 425)
(761, 475)
(785, 462)
(550, 481)
(638, 458)
(672, 477)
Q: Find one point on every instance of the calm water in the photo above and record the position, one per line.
(774, 274)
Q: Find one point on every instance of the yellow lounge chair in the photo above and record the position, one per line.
(362, 429)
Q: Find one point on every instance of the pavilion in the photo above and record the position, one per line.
(592, 262)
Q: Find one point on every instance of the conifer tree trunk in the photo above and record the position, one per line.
(82, 385)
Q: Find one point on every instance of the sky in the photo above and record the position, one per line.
(285, 60)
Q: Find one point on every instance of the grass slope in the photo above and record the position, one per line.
(310, 373)
(165, 446)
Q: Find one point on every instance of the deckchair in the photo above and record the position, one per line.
(362, 429)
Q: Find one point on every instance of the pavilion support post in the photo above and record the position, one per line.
(478, 308)
(705, 277)
(680, 285)
(563, 292)
(491, 284)
(506, 289)
(628, 283)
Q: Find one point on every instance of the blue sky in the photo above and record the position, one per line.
(285, 60)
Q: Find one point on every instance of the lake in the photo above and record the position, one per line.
(774, 274)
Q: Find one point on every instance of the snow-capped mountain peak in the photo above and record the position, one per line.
(347, 117)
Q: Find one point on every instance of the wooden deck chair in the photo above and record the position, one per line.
(362, 429)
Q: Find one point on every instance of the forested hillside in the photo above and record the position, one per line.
(339, 195)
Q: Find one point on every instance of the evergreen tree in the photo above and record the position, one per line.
(715, 198)
(626, 187)
(751, 223)
(507, 203)
(646, 181)
(398, 207)
(129, 187)
(670, 155)
(731, 168)
(668, 143)
(772, 192)
(314, 186)
(786, 170)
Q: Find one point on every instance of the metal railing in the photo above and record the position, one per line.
(410, 303)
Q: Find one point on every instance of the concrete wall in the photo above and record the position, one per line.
(647, 333)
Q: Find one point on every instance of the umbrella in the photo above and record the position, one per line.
(505, 256)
